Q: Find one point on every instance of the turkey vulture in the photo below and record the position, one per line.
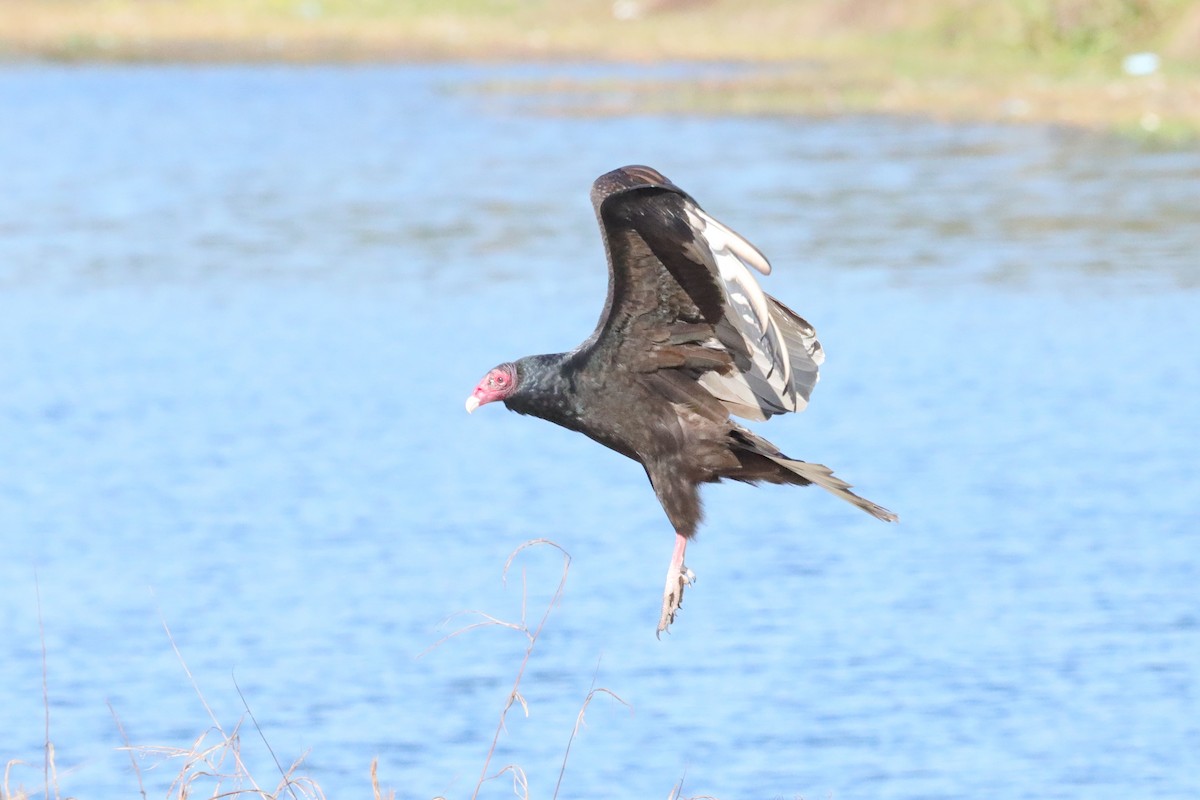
(686, 339)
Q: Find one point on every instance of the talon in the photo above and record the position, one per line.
(678, 579)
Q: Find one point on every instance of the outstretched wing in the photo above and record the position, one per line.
(681, 297)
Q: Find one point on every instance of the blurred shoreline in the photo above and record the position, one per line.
(1130, 67)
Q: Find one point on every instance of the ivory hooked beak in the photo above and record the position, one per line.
(472, 403)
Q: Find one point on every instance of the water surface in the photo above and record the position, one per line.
(241, 309)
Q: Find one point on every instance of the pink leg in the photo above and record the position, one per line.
(680, 549)
(678, 577)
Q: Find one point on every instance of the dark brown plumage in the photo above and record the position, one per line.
(686, 339)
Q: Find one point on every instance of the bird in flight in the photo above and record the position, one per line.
(686, 339)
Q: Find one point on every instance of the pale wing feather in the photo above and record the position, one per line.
(775, 352)
(722, 238)
(803, 348)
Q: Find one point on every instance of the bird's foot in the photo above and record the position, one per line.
(678, 578)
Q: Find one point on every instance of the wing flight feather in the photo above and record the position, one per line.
(772, 347)
(674, 267)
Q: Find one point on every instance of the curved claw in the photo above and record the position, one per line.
(678, 579)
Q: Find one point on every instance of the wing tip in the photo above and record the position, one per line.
(628, 178)
(721, 237)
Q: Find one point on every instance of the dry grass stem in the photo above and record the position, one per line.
(579, 720)
(677, 794)
(379, 795)
(48, 762)
(285, 774)
(7, 793)
(488, 621)
(515, 697)
(137, 770)
(532, 637)
(212, 766)
(519, 779)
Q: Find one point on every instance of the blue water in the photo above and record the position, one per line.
(240, 310)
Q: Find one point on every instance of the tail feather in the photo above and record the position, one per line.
(752, 449)
(823, 476)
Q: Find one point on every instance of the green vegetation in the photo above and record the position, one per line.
(1038, 60)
